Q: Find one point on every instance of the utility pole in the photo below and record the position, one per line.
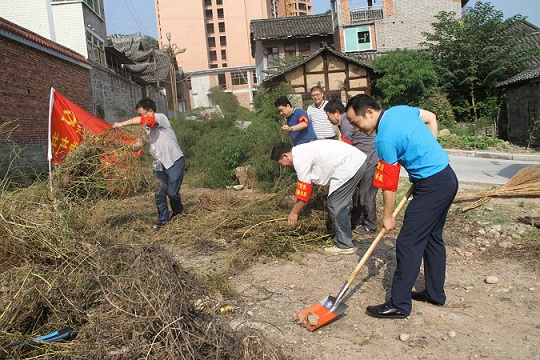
(173, 50)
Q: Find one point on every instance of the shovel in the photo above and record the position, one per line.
(331, 307)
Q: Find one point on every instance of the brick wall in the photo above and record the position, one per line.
(523, 113)
(116, 96)
(25, 81)
(408, 20)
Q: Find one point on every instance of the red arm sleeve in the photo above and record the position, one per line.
(303, 191)
(386, 176)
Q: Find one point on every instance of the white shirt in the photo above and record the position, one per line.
(326, 162)
(163, 144)
(322, 126)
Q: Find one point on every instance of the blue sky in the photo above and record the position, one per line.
(132, 16)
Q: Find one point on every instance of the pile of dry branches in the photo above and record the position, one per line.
(525, 183)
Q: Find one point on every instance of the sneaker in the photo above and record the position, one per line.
(176, 214)
(336, 250)
(158, 226)
(363, 230)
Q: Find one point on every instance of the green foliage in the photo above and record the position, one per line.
(228, 103)
(149, 42)
(265, 133)
(475, 53)
(439, 105)
(215, 148)
(469, 142)
(408, 77)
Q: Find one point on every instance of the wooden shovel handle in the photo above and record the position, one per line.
(379, 237)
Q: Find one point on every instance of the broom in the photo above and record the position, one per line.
(526, 182)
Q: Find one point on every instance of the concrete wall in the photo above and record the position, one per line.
(70, 27)
(34, 15)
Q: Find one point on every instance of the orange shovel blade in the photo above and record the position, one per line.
(320, 314)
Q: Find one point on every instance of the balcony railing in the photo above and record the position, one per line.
(362, 15)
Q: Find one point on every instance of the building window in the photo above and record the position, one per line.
(223, 54)
(304, 47)
(211, 42)
(222, 80)
(302, 7)
(224, 65)
(239, 77)
(207, 2)
(219, 2)
(290, 49)
(254, 77)
(95, 5)
(272, 53)
(223, 40)
(96, 49)
(357, 38)
(210, 28)
(221, 26)
(212, 66)
(212, 55)
(363, 37)
(208, 14)
(220, 14)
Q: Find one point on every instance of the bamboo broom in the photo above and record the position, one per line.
(526, 182)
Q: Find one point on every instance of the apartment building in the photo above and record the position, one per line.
(292, 7)
(216, 35)
(375, 29)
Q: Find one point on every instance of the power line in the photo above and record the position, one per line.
(135, 17)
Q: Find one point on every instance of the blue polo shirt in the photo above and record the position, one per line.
(404, 138)
(304, 135)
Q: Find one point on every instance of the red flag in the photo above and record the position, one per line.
(68, 122)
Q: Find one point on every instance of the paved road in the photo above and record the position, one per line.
(485, 170)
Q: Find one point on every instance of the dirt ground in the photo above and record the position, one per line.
(480, 320)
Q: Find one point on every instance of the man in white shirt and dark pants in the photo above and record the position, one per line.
(324, 129)
(325, 162)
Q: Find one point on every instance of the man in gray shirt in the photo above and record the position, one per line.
(364, 210)
(168, 157)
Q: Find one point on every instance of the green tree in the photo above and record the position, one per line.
(473, 54)
(407, 77)
(149, 42)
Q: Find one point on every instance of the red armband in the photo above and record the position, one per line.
(303, 191)
(149, 120)
(345, 140)
(303, 118)
(386, 176)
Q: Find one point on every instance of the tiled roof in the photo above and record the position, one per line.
(150, 66)
(20, 32)
(532, 38)
(291, 26)
(531, 73)
(316, 53)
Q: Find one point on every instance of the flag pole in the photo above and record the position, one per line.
(49, 147)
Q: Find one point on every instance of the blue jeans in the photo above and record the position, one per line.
(171, 180)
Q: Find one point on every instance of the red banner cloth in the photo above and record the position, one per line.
(67, 124)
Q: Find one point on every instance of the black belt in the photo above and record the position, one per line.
(330, 138)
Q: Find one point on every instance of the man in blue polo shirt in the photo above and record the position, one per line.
(407, 136)
(298, 124)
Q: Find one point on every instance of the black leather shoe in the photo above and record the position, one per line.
(422, 296)
(385, 310)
